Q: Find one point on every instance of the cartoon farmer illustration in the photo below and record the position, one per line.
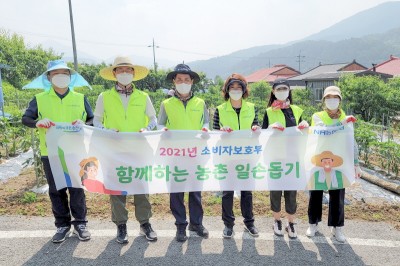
(88, 174)
(327, 177)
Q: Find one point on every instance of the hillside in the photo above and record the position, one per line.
(369, 37)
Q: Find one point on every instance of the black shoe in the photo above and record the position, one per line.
(146, 230)
(61, 234)
(122, 234)
(81, 231)
(199, 229)
(181, 235)
(228, 232)
(252, 230)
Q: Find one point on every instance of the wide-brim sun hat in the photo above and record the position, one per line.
(84, 162)
(183, 69)
(317, 159)
(140, 71)
(332, 90)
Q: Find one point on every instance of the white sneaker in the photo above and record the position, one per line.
(312, 229)
(278, 228)
(338, 234)
(291, 230)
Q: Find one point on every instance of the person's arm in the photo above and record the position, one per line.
(206, 115)
(265, 123)
(89, 113)
(151, 114)
(216, 125)
(317, 121)
(30, 116)
(162, 117)
(99, 112)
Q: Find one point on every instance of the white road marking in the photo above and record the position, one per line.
(213, 235)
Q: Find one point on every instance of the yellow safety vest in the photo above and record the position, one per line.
(179, 117)
(323, 115)
(229, 117)
(131, 119)
(278, 116)
(67, 109)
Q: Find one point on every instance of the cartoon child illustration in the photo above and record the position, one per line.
(88, 174)
(327, 177)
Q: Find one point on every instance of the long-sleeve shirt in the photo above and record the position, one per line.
(99, 112)
(216, 125)
(31, 114)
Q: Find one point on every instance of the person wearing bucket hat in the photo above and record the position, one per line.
(282, 113)
(124, 108)
(184, 111)
(332, 115)
(236, 113)
(60, 104)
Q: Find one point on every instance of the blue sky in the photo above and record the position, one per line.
(183, 30)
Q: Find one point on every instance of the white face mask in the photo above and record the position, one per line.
(282, 95)
(61, 80)
(332, 104)
(235, 95)
(183, 88)
(124, 78)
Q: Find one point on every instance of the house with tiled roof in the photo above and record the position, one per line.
(271, 74)
(391, 66)
(322, 76)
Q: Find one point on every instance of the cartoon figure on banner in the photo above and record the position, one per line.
(327, 177)
(88, 174)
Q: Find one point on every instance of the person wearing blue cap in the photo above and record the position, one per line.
(59, 103)
(184, 111)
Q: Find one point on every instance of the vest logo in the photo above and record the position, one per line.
(69, 128)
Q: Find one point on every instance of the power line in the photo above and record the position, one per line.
(300, 60)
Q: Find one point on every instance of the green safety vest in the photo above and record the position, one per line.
(278, 116)
(326, 119)
(229, 117)
(67, 109)
(131, 119)
(324, 186)
(179, 117)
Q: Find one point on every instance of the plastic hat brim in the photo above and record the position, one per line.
(59, 66)
(140, 72)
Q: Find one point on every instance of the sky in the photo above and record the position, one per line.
(183, 30)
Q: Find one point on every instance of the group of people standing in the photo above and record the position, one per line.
(124, 108)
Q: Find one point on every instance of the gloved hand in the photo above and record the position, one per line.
(110, 129)
(204, 129)
(256, 128)
(277, 126)
(348, 119)
(45, 123)
(358, 171)
(78, 122)
(142, 130)
(226, 129)
(165, 129)
(303, 124)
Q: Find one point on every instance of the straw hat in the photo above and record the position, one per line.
(316, 159)
(140, 71)
(84, 162)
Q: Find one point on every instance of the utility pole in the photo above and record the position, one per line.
(71, 19)
(300, 59)
(154, 55)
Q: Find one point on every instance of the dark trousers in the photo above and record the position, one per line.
(336, 207)
(246, 206)
(62, 210)
(178, 209)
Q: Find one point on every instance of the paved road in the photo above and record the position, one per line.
(26, 241)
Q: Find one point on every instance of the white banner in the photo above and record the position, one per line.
(179, 161)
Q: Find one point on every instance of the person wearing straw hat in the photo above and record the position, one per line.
(332, 115)
(59, 103)
(184, 111)
(124, 108)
